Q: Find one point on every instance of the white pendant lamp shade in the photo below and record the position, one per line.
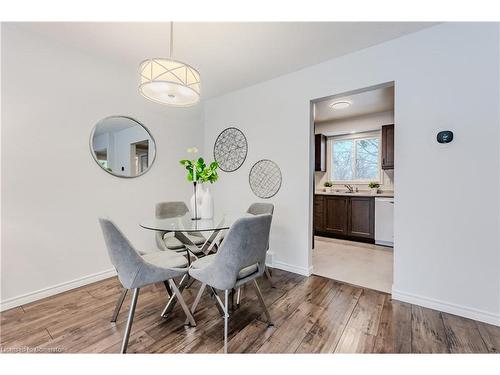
(169, 82)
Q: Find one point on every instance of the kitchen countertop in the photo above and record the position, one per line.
(358, 194)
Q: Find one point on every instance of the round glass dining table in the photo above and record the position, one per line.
(183, 225)
(186, 224)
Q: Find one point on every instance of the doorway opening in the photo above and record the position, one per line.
(353, 187)
(139, 154)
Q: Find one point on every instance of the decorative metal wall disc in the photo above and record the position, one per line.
(230, 149)
(265, 178)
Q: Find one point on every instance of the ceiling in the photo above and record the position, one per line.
(363, 103)
(229, 56)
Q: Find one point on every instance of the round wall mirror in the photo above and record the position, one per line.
(122, 146)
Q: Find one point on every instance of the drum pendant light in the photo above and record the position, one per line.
(168, 81)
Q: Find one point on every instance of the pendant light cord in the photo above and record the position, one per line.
(171, 38)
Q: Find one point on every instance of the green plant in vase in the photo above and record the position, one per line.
(199, 172)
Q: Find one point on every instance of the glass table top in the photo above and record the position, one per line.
(186, 224)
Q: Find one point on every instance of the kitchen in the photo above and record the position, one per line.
(354, 187)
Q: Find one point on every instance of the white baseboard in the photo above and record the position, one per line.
(292, 268)
(56, 289)
(447, 307)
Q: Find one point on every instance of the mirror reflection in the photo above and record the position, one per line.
(122, 146)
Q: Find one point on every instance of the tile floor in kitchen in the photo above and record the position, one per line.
(357, 263)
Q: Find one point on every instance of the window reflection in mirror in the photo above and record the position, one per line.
(122, 146)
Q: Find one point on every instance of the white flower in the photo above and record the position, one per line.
(192, 150)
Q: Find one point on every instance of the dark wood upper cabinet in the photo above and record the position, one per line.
(388, 146)
(336, 214)
(361, 217)
(320, 153)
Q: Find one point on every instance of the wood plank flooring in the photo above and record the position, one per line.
(311, 315)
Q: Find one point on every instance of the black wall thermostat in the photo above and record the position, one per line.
(445, 136)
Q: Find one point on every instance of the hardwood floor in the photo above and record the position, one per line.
(311, 315)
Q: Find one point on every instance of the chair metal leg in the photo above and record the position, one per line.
(226, 318)
(238, 297)
(262, 303)
(183, 303)
(197, 300)
(224, 307)
(129, 321)
(269, 277)
(167, 287)
(218, 302)
(119, 304)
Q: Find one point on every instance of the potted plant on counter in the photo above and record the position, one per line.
(328, 186)
(373, 187)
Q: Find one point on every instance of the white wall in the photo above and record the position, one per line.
(447, 247)
(102, 142)
(52, 189)
(358, 124)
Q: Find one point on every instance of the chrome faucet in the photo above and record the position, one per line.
(350, 188)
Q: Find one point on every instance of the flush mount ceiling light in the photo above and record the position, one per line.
(168, 81)
(340, 104)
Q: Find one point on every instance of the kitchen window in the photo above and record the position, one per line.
(355, 159)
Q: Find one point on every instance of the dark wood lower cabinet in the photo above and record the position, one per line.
(319, 213)
(345, 217)
(335, 214)
(361, 217)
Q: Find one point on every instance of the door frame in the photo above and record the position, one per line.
(312, 102)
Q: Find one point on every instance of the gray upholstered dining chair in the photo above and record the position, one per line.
(259, 209)
(240, 260)
(165, 240)
(136, 271)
